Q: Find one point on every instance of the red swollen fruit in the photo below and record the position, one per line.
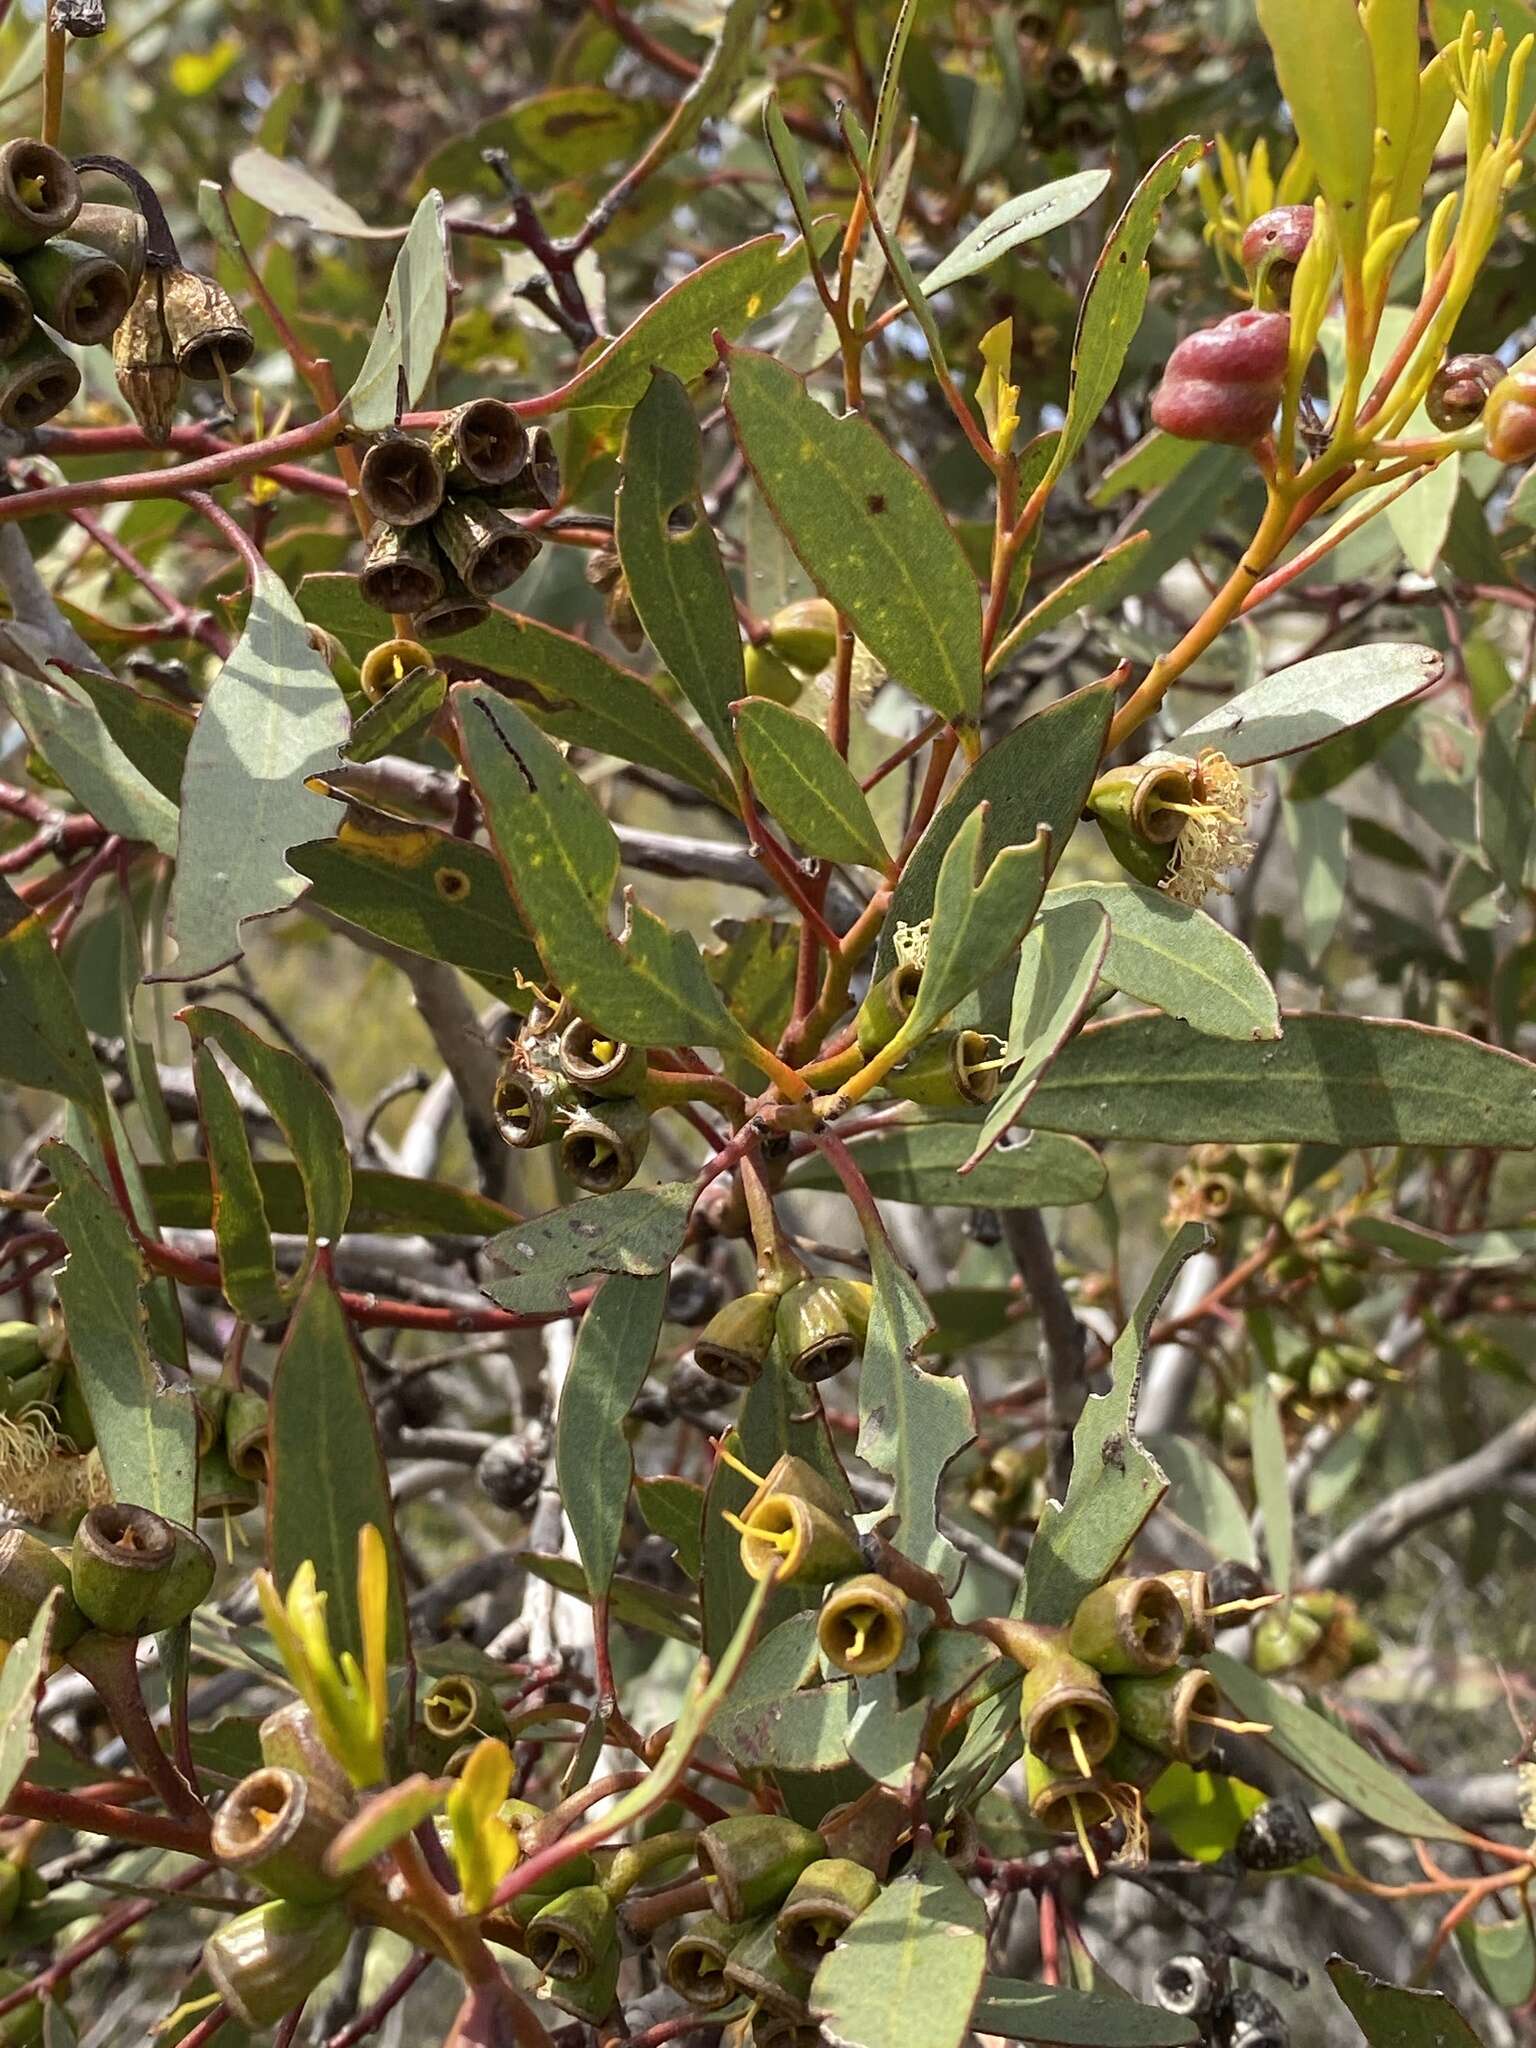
(1272, 247)
(1224, 382)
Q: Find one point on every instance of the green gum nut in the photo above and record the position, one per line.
(22, 2027)
(15, 310)
(571, 1936)
(804, 634)
(590, 1998)
(1068, 1717)
(30, 1389)
(829, 1895)
(756, 1967)
(863, 1625)
(400, 480)
(821, 1326)
(457, 1710)
(1282, 1640)
(1171, 1714)
(12, 1890)
(796, 1523)
(597, 1062)
(121, 1557)
(39, 194)
(573, 1875)
(734, 1344)
(526, 1104)
(29, 1572)
(1192, 1590)
(268, 1960)
(275, 1828)
(695, 1963)
(1130, 1763)
(886, 1008)
(1128, 1628)
(953, 1070)
(21, 1349)
(80, 293)
(752, 1861)
(769, 676)
(772, 2029)
(120, 232)
(1062, 1801)
(220, 1488)
(247, 1435)
(187, 1583)
(603, 1144)
(37, 380)
(290, 1741)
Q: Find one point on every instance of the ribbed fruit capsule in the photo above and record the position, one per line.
(1461, 390)
(1223, 383)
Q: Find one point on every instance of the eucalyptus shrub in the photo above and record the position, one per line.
(833, 1449)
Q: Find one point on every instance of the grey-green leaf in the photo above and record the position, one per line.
(910, 1967)
(1179, 959)
(44, 1044)
(1395, 2016)
(1024, 218)
(1506, 779)
(1060, 2017)
(289, 190)
(21, 1687)
(593, 1463)
(67, 730)
(1204, 1499)
(806, 785)
(921, 1163)
(1312, 700)
(638, 1231)
(410, 325)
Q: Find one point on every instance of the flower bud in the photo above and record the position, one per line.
(1128, 1627)
(1068, 1716)
(402, 571)
(482, 445)
(599, 1063)
(753, 1860)
(268, 1960)
(21, 1349)
(39, 194)
(82, 294)
(1461, 390)
(1509, 419)
(1184, 1985)
(954, 1069)
(290, 1741)
(120, 232)
(488, 549)
(1272, 247)
(209, 340)
(805, 634)
(1283, 1639)
(400, 480)
(1223, 383)
(571, 1935)
(37, 380)
(247, 1431)
(766, 675)
(456, 610)
(29, 1572)
(695, 1963)
(1064, 1802)
(603, 1144)
(862, 1628)
(886, 1008)
(796, 1522)
(121, 1557)
(828, 1896)
(1171, 1714)
(145, 362)
(186, 1584)
(821, 1326)
(275, 1828)
(734, 1344)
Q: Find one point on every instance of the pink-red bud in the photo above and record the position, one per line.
(1510, 417)
(1272, 248)
(1461, 390)
(1223, 383)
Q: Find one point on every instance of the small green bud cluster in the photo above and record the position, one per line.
(442, 544)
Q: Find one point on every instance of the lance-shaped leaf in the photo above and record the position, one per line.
(394, 1204)
(980, 913)
(1179, 959)
(1323, 60)
(1059, 964)
(247, 1260)
(1117, 298)
(1057, 2016)
(1023, 218)
(910, 1967)
(22, 1678)
(43, 1044)
(1328, 1081)
(273, 717)
(328, 1475)
(1097, 584)
(400, 712)
(1303, 705)
(638, 1231)
(1396, 2016)
(70, 735)
(922, 1162)
(561, 859)
(146, 1431)
(410, 325)
(710, 93)
(911, 1421)
(1116, 1482)
(1321, 1751)
(671, 559)
(652, 1608)
(868, 531)
(593, 1463)
(777, 1720)
(806, 785)
(286, 188)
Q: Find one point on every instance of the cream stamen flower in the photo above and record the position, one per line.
(1213, 839)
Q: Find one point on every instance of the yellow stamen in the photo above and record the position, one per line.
(1083, 1842)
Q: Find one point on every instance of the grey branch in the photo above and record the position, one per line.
(1063, 1340)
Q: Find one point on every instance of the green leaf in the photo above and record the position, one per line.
(673, 1509)
(22, 1679)
(1038, 775)
(561, 860)
(1203, 1498)
(1430, 1250)
(1506, 778)
(677, 331)
(247, 1260)
(153, 734)
(638, 1231)
(868, 531)
(294, 193)
(181, 1197)
(1322, 1752)
(921, 1163)
(65, 728)
(146, 1431)
(710, 93)
(593, 1464)
(1179, 959)
(806, 785)
(1202, 1811)
(1059, 964)
(328, 1475)
(568, 132)
(1392, 2016)
(400, 712)
(1116, 1482)
(1156, 459)
(383, 1819)
(912, 1421)
(910, 1967)
(410, 325)
(1116, 298)
(1311, 701)
(423, 891)
(1097, 584)
(273, 717)
(1501, 1954)
(1328, 1081)
(1323, 61)
(890, 87)
(981, 910)
(670, 556)
(1271, 1469)
(44, 1043)
(1056, 2014)
(651, 1608)
(1319, 835)
(775, 1720)
(1023, 218)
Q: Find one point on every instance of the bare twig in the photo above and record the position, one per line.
(1063, 1340)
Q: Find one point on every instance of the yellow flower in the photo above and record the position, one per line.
(999, 400)
(350, 1702)
(1213, 838)
(484, 1845)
